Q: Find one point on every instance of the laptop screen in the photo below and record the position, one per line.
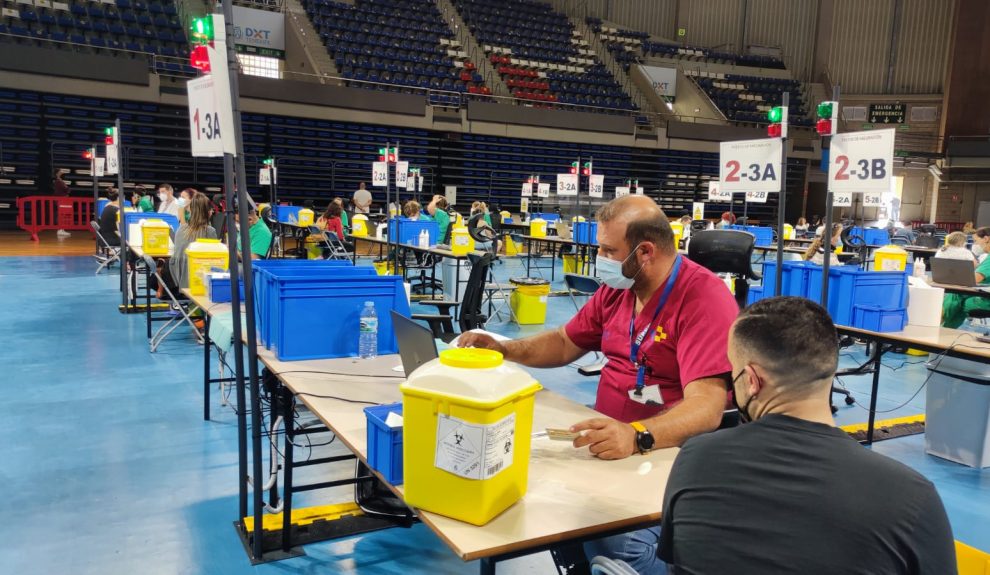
(416, 343)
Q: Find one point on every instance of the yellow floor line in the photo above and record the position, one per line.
(305, 516)
(972, 561)
(883, 423)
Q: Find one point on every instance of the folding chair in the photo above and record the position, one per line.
(333, 247)
(106, 254)
(176, 304)
(584, 286)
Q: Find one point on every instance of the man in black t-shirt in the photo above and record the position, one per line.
(108, 219)
(790, 492)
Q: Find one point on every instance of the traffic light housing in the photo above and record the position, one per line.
(201, 29)
(574, 167)
(87, 154)
(586, 170)
(110, 135)
(269, 162)
(828, 115)
(778, 122)
(199, 58)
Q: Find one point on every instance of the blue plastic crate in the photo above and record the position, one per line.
(549, 217)
(795, 278)
(849, 286)
(218, 288)
(102, 203)
(764, 236)
(872, 236)
(298, 300)
(286, 214)
(586, 233)
(135, 217)
(876, 319)
(408, 230)
(384, 442)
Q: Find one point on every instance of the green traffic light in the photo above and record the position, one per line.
(776, 114)
(825, 110)
(202, 29)
(107, 131)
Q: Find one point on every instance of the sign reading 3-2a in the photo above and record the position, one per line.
(861, 161)
(750, 166)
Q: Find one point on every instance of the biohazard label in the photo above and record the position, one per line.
(472, 450)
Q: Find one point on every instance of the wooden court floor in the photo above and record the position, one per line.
(18, 243)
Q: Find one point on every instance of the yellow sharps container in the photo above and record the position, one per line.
(359, 225)
(155, 237)
(467, 424)
(205, 255)
(889, 259)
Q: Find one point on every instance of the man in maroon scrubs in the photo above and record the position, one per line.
(662, 322)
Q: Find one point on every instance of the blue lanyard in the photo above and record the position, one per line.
(635, 344)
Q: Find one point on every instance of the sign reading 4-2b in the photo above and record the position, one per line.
(861, 161)
(750, 166)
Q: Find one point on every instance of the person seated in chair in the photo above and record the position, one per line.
(412, 210)
(479, 208)
(956, 307)
(816, 251)
(108, 219)
(955, 249)
(789, 492)
(195, 225)
(331, 221)
(662, 322)
(437, 210)
(259, 234)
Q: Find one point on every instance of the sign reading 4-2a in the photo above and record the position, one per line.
(861, 161)
(750, 166)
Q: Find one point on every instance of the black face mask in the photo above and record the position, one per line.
(743, 409)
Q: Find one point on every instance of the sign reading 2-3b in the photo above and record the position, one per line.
(750, 166)
(861, 161)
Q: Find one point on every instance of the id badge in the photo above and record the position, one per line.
(650, 395)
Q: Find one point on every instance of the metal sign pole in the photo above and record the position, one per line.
(124, 288)
(781, 205)
(96, 194)
(827, 231)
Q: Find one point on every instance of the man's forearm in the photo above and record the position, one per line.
(692, 416)
(547, 349)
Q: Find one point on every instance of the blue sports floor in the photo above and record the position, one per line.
(109, 468)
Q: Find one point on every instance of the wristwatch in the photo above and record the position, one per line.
(644, 439)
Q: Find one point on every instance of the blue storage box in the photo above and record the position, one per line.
(872, 236)
(135, 217)
(876, 319)
(286, 214)
(218, 288)
(408, 230)
(795, 278)
(764, 236)
(586, 233)
(384, 442)
(849, 286)
(549, 217)
(319, 318)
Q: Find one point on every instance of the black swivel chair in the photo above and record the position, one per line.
(726, 251)
(469, 314)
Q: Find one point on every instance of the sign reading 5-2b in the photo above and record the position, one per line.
(861, 161)
(750, 166)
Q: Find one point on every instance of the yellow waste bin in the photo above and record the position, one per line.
(788, 232)
(538, 228)
(678, 229)
(359, 225)
(573, 264)
(461, 241)
(305, 217)
(205, 255)
(529, 300)
(155, 237)
(889, 259)
(511, 247)
(467, 424)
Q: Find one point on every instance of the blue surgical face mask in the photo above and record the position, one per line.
(611, 271)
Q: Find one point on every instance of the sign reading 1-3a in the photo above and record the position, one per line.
(750, 166)
(861, 161)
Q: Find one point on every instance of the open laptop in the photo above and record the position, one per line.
(563, 230)
(416, 343)
(953, 272)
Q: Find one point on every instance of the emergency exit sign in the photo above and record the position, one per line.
(887, 113)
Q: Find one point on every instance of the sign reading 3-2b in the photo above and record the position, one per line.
(861, 161)
(750, 166)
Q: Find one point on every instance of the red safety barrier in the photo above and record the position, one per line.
(947, 226)
(39, 213)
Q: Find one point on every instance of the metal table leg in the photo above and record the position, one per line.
(877, 355)
(206, 367)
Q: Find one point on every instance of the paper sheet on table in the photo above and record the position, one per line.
(494, 336)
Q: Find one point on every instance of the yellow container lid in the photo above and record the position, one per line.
(471, 358)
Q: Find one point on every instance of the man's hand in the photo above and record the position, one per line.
(606, 438)
(482, 340)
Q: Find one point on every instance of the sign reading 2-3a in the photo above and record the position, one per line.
(861, 161)
(750, 166)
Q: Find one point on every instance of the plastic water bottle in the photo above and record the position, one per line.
(368, 342)
(424, 239)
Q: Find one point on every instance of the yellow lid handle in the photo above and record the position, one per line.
(471, 358)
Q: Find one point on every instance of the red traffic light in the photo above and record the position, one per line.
(824, 127)
(774, 130)
(391, 158)
(88, 155)
(199, 58)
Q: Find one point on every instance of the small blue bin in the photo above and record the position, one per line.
(549, 217)
(384, 442)
(586, 233)
(872, 236)
(794, 278)
(408, 230)
(848, 286)
(102, 203)
(219, 289)
(135, 217)
(755, 295)
(877, 319)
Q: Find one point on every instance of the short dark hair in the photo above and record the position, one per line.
(652, 226)
(793, 338)
(983, 231)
